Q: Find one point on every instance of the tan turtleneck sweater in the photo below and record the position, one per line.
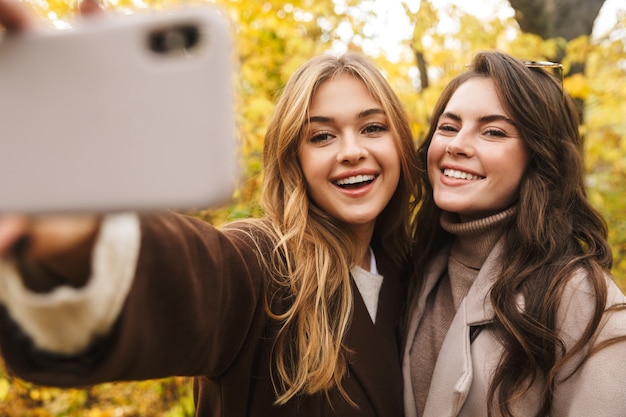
(472, 244)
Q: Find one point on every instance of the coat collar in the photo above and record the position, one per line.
(479, 308)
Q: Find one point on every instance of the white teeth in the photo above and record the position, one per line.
(356, 179)
(453, 173)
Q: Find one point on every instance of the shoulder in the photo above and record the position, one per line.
(582, 289)
(181, 226)
(580, 299)
(256, 233)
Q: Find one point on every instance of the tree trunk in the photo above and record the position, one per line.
(548, 19)
(557, 18)
(567, 19)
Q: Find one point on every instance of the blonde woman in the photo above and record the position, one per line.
(296, 313)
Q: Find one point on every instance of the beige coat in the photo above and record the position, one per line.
(462, 374)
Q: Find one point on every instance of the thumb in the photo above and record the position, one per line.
(13, 228)
(90, 7)
(16, 16)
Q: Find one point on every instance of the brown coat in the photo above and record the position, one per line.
(196, 308)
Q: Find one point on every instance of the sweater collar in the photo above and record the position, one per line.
(475, 239)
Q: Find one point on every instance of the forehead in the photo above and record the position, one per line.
(476, 96)
(344, 92)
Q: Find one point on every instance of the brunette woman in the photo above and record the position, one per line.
(515, 312)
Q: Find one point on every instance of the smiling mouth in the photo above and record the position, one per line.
(355, 181)
(460, 175)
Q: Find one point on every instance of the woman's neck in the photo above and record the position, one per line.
(366, 260)
(363, 236)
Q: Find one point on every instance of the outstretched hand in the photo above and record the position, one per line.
(62, 243)
(15, 16)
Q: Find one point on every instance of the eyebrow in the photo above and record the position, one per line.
(361, 115)
(483, 119)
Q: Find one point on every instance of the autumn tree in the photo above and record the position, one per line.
(274, 37)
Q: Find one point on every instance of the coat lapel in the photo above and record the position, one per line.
(479, 309)
(453, 373)
(415, 312)
(452, 377)
(376, 357)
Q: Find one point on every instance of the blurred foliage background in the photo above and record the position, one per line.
(436, 39)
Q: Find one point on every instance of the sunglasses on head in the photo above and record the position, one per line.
(556, 66)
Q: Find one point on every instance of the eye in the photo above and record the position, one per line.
(446, 127)
(495, 133)
(321, 137)
(374, 128)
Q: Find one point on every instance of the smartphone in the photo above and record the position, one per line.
(120, 112)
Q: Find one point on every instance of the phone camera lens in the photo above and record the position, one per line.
(176, 39)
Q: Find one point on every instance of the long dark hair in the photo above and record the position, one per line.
(554, 232)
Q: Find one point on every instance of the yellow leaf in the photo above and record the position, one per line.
(5, 387)
(577, 86)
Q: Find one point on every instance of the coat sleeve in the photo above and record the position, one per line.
(191, 306)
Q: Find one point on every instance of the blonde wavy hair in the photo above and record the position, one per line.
(313, 252)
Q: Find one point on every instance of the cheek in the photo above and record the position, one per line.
(518, 165)
(394, 159)
(396, 173)
(307, 163)
(387, 155)
(511, 180)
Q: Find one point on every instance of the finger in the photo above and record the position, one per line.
(55, 234)
(90, 7)
(64, 244)
(15, 16)
(13, 229)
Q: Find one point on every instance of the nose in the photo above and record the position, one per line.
(461, 145)
(352, 149)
